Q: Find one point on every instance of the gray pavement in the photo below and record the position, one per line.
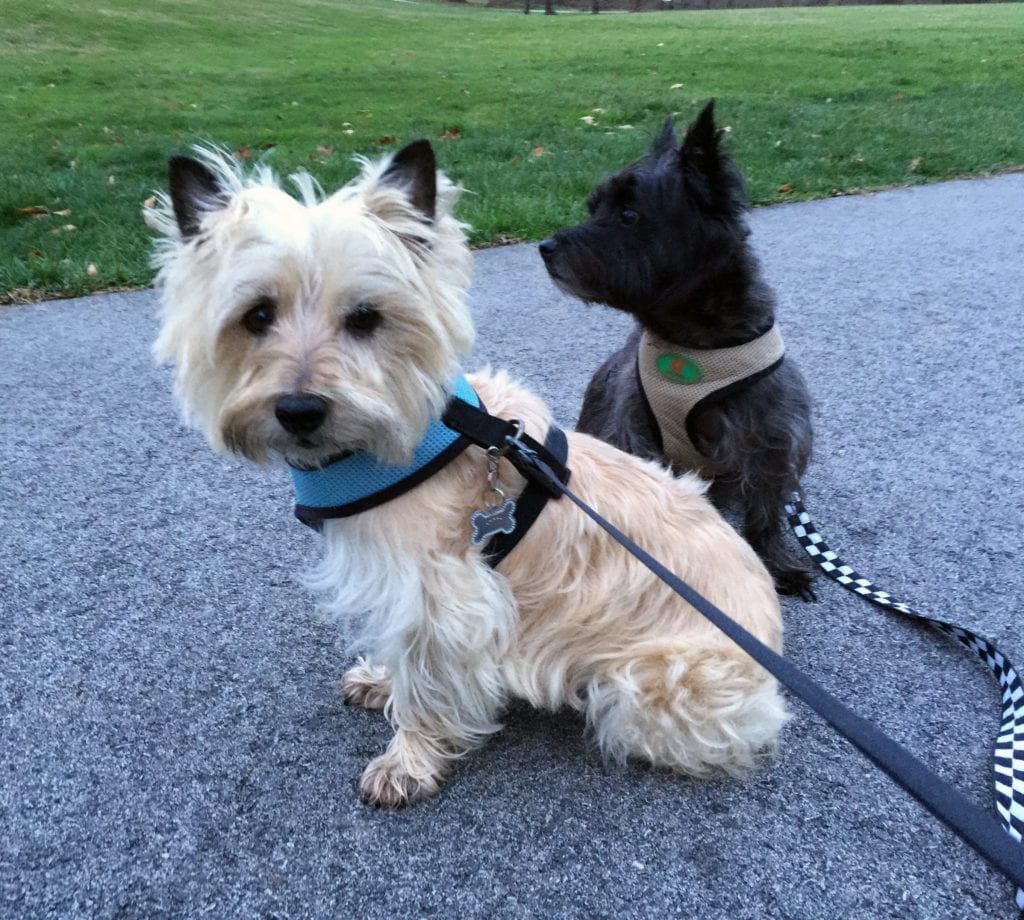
(172, 737)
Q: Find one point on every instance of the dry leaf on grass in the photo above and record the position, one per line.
(33, 211)
(783, 189)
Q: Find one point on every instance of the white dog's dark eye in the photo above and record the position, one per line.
(363, 320)
(260, 316)
(629, 216)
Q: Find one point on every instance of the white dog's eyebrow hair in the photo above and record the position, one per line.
(247, 290)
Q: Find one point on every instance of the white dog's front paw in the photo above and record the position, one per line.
(366, 685)
(388, 783)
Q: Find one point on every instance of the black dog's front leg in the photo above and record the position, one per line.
(760, 491)
(762, 508)
(762, 527)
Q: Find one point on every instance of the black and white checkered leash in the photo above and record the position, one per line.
(1009, 747)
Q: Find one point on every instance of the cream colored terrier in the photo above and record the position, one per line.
(309, 332)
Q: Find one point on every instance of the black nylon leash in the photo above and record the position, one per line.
(974, 826)
(1009, 747)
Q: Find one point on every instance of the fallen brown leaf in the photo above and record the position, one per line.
(386, 140)
(324, 150)
(150, 202)
(452, 133)
(538, 151)
(783, 189)
(34, 211)
(244, 153)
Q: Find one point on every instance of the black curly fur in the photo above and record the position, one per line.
(667, 242)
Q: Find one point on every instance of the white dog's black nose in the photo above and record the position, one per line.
(301, 414)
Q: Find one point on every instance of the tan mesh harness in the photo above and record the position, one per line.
(676, 380)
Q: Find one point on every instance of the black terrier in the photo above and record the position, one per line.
(701, 381)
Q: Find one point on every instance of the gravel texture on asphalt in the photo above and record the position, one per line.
(172, 737)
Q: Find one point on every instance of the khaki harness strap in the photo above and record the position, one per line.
(677, 380)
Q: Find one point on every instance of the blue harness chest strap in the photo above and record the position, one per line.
(358, 481)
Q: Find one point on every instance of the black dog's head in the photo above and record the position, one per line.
(660, 231)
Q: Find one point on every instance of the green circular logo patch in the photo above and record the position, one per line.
(679, 368)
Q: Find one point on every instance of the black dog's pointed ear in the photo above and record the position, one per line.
(414, 169)
(709, 171)
(195, 192)
(701, 142)
(666, 139)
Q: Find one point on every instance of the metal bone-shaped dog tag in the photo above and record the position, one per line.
(493, 519)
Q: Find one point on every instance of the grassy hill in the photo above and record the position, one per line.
(526, 111)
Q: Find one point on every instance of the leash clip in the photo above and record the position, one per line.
(511, 440)
(528, 462)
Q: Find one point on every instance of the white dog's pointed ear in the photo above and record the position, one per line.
(414, 170)
(195, 192)
(666, 139)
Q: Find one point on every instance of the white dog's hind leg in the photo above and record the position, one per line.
(694, 709)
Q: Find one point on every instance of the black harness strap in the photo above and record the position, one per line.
(486, 430)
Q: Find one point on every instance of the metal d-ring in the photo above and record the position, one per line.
(512, 440)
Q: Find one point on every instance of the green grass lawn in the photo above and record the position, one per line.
(93, 99)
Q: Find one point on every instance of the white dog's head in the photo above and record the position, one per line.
(301, 329)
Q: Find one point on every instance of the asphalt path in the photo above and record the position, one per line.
(172, 737)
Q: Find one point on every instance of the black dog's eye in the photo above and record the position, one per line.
(260, 316)
(363, 320)
(629, 216)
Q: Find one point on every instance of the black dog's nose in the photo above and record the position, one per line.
(302, 413)
(547, 248)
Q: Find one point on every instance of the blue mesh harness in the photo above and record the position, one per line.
(358, 481)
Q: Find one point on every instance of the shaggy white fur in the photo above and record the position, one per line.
(267, 297)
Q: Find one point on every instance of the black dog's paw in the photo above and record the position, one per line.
(795, 582)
